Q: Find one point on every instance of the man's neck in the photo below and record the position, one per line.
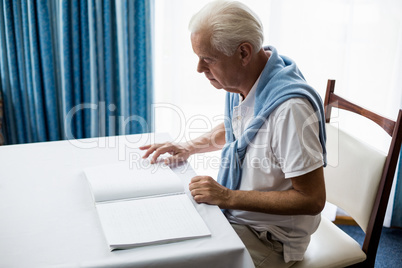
(256, 68)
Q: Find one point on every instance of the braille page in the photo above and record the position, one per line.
(122, 181)
(153, 220)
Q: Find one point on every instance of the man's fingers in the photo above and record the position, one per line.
(161, 150)
(153, 148)
(199, 198)
(196, 179)
(199, 182)
(145, 147)
(176, 159)
(178, 153)
(150, 149)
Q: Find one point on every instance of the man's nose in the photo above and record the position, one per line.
(201, 66)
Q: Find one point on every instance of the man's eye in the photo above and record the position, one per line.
(208, 61)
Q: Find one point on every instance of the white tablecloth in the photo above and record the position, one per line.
(48, 218)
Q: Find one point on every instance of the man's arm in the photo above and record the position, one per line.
(307, 196)
(210, 141)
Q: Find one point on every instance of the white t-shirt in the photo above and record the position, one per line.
(286, 146)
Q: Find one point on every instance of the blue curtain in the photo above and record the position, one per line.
(396, 219)
(75, 68)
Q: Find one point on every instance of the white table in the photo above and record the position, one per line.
(48, 218)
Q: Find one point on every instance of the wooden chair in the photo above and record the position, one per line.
(358, 179)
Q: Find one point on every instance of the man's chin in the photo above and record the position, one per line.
(215, 84)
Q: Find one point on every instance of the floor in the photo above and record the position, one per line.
(389, 254)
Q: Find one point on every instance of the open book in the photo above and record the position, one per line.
(142, 205)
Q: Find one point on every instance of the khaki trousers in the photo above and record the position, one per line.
(264, 251)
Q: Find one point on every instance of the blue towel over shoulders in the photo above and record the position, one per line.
(280, 80)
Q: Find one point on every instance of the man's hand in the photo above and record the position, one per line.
(210, 141)
(205, 189)
(179, 152)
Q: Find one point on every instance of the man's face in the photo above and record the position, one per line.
(222, 71)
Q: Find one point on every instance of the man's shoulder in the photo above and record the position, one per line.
(295, 106)
(289, 115)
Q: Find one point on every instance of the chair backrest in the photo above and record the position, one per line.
(358, 177)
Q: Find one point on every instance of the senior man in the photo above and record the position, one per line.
(270, 184)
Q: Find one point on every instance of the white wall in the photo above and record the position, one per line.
(358, 43)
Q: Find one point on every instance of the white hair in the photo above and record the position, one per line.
(230, 24)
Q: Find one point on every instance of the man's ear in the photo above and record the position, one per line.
(246, 52)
